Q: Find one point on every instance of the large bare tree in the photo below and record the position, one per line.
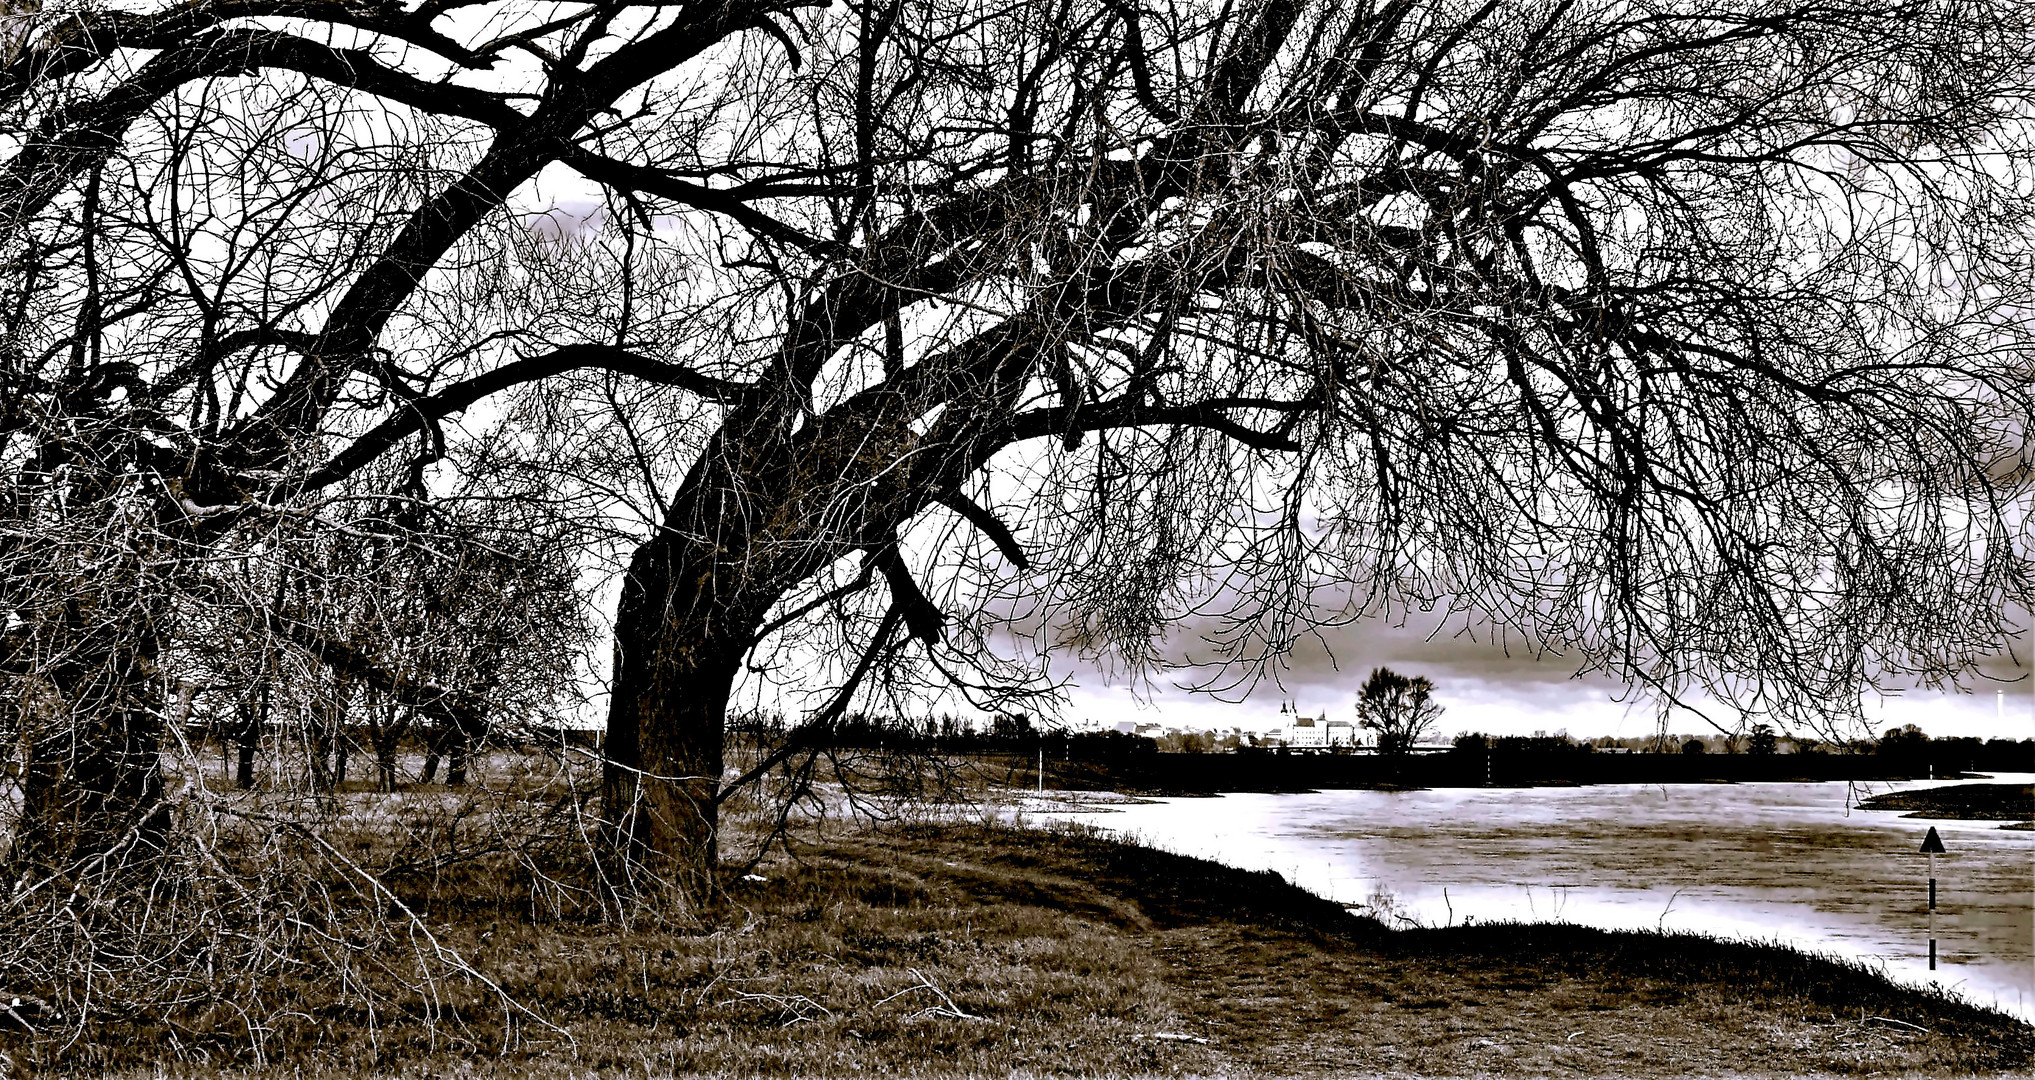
(1688, 341)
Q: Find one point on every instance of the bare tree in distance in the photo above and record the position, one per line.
(1688, 345)
(1398, 708)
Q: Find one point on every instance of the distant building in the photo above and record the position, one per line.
(1320, 733)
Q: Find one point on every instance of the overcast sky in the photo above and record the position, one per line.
(1484, 689)
(1483, 686)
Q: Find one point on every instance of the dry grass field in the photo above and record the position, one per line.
(960, 950)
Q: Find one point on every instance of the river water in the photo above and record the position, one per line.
(1789, 862)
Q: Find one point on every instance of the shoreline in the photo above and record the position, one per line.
(1260, 771)
(2011, 803)
(949, 950)
(1781, 861)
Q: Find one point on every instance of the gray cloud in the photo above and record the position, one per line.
(1491, 686)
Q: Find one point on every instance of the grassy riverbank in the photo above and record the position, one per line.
(1969, 802)
(968, 950)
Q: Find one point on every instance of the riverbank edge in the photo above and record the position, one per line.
(1261, 771)
(2011, 803)
(1921, 803)
(949, 950)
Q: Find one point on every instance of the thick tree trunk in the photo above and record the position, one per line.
(320, 758)
(243, 773)
(756, 515)
(253, 720)
(455, 760)
(327, 718)
(674, 668)
(91, 779)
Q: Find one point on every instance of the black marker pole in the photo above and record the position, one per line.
(1932, 845)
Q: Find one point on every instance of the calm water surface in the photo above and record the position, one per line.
(1790, 862)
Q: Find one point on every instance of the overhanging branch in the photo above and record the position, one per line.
(465, 710)
(652, 181)
(986, 523)
(1127, 412)
(811, 735)
(921, 615)
(416, 415)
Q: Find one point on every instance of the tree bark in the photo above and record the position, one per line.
(327, 717)
(91, 779)
(455, 760)
(676, 658)
(321, 753)
(253, 721)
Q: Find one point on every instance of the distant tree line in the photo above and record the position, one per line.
(1908, 743)
(1018, 733)
(1005, 733)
